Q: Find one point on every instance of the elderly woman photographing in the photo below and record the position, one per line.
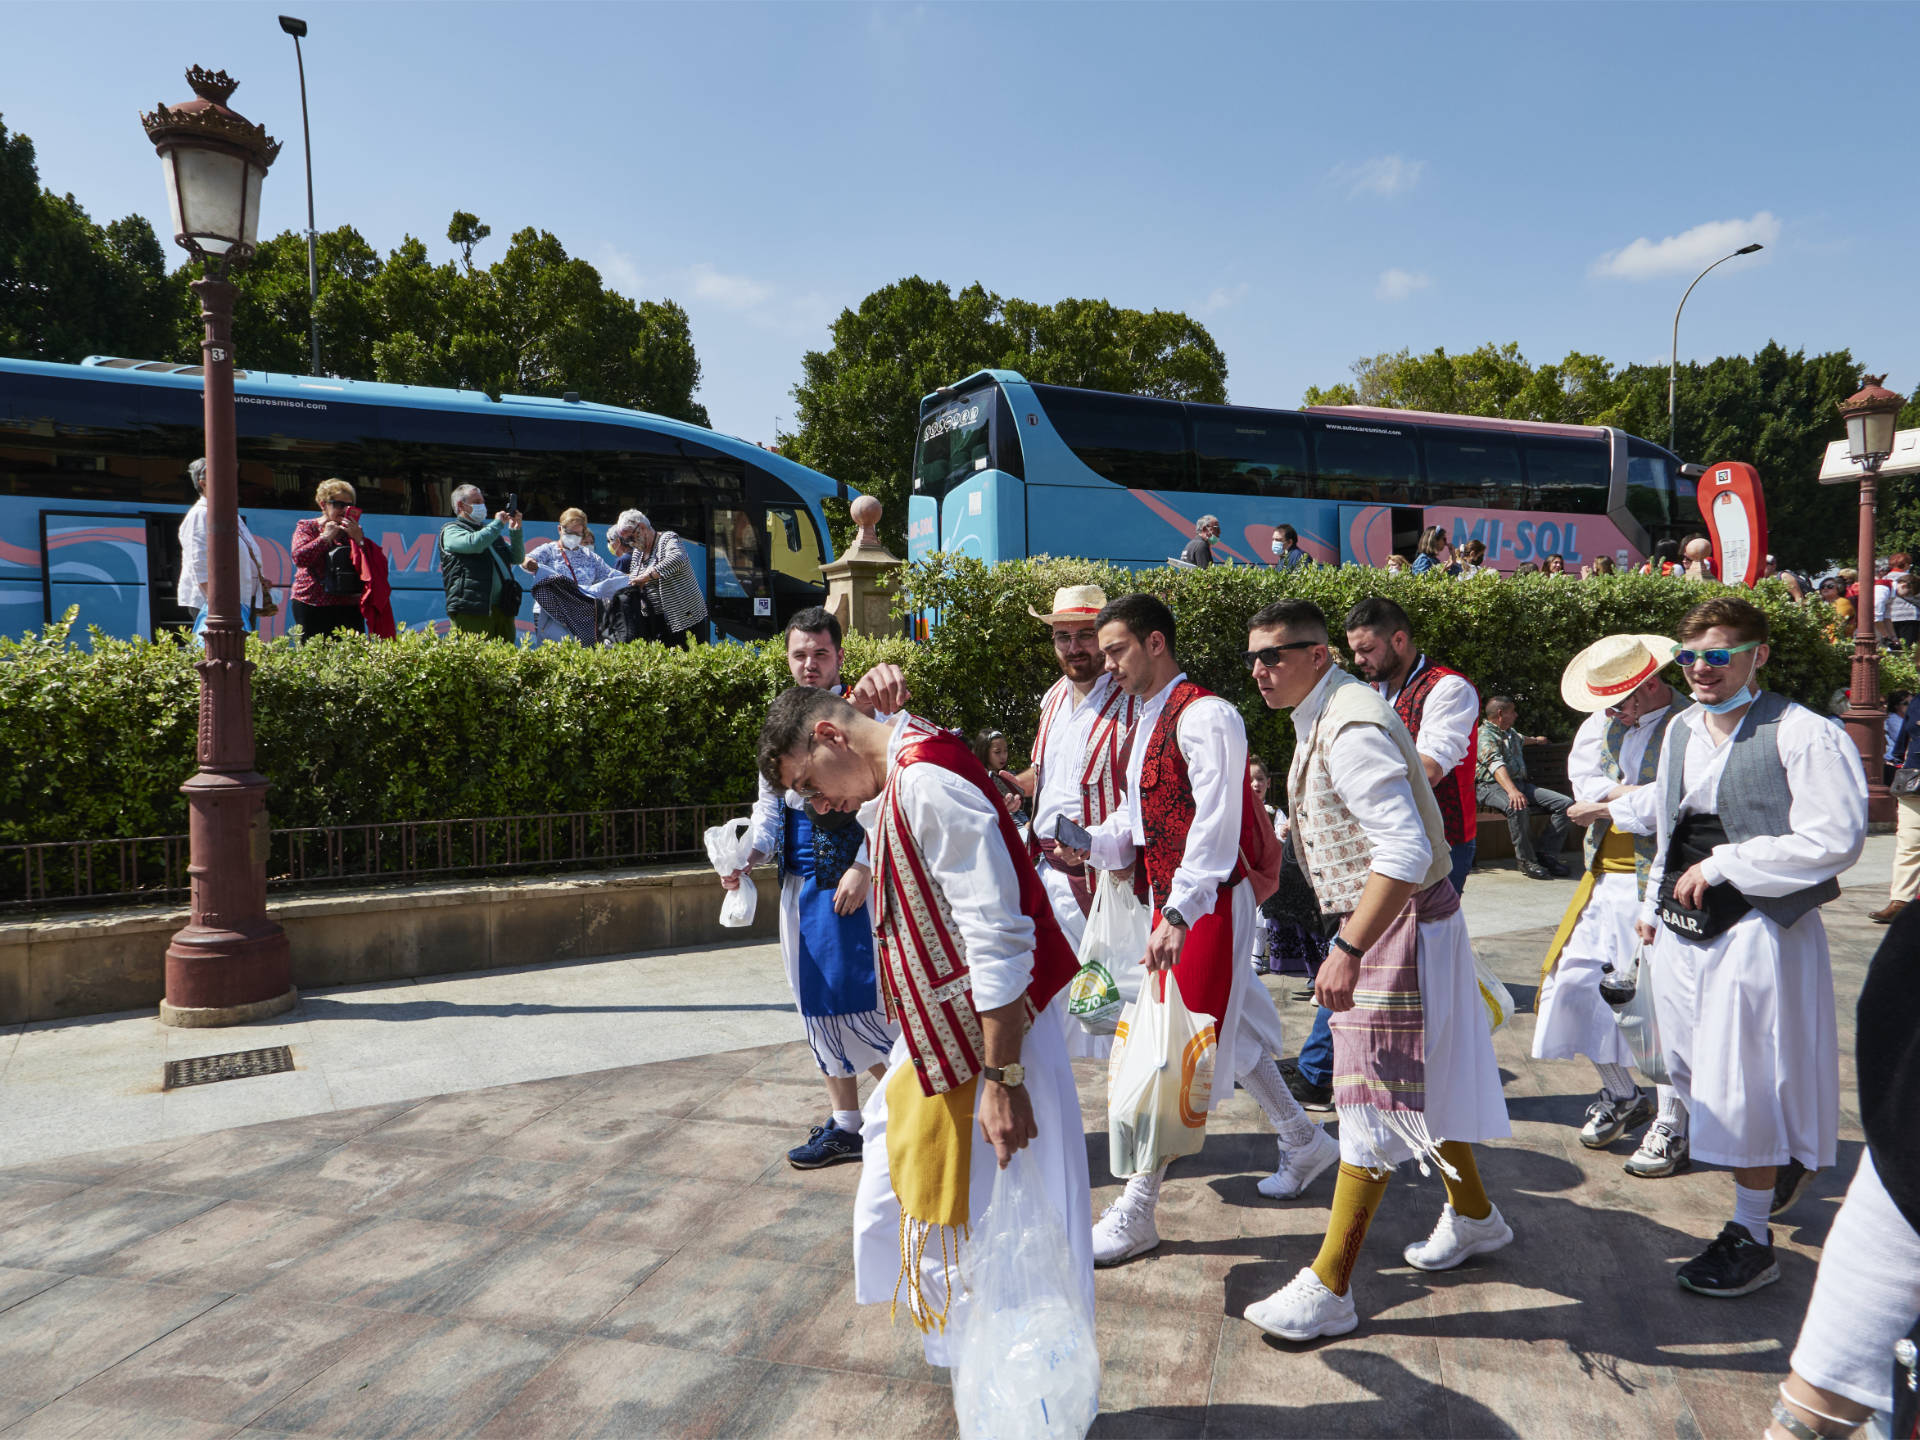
(660, 565)
(569, 576)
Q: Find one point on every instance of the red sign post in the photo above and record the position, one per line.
(1736, 515)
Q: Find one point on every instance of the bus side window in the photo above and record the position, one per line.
(1568, 475)
(1362, 461)
(1131, 440)
(1478, 470)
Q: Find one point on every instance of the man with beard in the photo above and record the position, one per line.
(974, 967)
(1183, 816)
(1413, 1051)
(826, 929)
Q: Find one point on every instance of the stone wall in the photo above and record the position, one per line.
(96, 962)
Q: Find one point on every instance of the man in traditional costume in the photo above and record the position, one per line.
(1186, 805)
(1616, 680)
(1441, 710)
(974, 968)
(826, 924)
(1757, 806)
(1414, 1070)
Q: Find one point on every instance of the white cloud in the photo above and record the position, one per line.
(1399, 284)
(1225, 297)
(1384, 175)
(1688, 251)
(619, 271)
(735, 292)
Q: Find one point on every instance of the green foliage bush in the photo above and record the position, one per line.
(96, 742)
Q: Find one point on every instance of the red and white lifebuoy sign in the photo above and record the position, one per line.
(1736, 512)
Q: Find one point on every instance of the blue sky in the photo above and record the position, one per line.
(1315, 183)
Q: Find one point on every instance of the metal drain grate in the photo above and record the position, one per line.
(239, 1065)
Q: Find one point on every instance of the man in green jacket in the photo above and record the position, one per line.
(477, 560)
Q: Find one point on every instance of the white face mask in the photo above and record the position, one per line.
(1277, 545)
(477, 511)
(571, 541)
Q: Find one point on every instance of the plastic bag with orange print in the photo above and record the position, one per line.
(1159, 1080)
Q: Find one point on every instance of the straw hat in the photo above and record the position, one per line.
(1612, 668)
(1071, 603)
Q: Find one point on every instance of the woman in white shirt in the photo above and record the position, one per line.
(571, 557)
(256, 596)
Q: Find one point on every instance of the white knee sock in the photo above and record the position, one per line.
(847, 1120)
(1263, 1082)
(1144, 1190)
(1750, 1209)
(1673, 1110)
(1616, 1081)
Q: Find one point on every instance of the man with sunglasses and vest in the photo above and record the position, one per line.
(974, 969)
(1756, 808)
(1187, 802)
(1616, 681)
(1415, 1074)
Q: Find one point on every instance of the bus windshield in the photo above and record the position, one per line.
(954, 441)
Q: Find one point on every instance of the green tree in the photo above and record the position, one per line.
(858, 400)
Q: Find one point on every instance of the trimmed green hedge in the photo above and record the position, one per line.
(96, 743)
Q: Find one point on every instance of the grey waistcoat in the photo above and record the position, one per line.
(1752, 799)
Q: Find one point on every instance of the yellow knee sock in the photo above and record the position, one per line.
(1467, 1195)
(1357, 1194)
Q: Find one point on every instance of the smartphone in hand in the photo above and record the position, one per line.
(1073, 836)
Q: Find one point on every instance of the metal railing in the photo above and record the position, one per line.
(154, 867)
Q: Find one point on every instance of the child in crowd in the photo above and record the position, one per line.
(991, 750)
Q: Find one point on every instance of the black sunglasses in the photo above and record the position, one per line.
(1270, 656)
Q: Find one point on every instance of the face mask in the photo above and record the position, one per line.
(477, 513)
(1277, 546)
(570, 540)
(1745, 696)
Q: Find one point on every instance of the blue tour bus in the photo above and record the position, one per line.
(93, 483)
(1003, 467)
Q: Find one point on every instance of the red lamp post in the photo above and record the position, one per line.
(1870, 416)
(231, 963)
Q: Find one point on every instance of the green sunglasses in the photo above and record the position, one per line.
(1718, 658)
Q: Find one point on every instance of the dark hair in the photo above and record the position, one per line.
(1474, 551)
(1290, 615)
(790, 721)
(1265, 769)
(1745, 619)
(1668, 550)
(1526, 567)
(983, 746)
(1604, 566)
(1141, 614)
(1556, 555)
(813, 620)
(1499, 702)
(1380, 615)
(1287, 533)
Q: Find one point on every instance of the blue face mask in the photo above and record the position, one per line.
(1745, 696)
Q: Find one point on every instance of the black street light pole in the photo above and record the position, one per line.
(1673, 366)
(297, 28)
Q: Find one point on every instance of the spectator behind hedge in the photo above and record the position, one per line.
(477, 560)
(658, 561)
(327, 584)
(571, 558)
(1556, 564)
(1473, 560)
(256, 595)
(1435, 552)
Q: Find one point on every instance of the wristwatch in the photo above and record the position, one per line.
(1354, 950)
(1008, 1075)
(1174, 917)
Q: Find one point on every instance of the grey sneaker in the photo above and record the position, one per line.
(1608, 1119)
(1661, 1153)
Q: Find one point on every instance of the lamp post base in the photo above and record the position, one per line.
(215, 972)
(209, 1017)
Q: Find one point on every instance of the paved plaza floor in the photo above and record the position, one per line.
(489, 1220)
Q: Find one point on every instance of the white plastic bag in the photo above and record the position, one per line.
(1493, 993)
(1112, 958)
(1639, 1020)
(1026, 1366)
(729, 847)
(1159, 1080)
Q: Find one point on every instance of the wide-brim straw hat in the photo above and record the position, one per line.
(1071, 603)
(1612, 668)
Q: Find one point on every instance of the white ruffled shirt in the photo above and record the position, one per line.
(1371, 778)
(1446, 720)
(1213, 741)
(1827, 815)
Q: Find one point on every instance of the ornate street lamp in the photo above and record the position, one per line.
(1870, 417)
(230, 964)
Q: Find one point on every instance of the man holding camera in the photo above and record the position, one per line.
(477, 560)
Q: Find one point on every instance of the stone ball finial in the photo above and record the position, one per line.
(866, 514)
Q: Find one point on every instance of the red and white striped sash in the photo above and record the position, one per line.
(1101, 770)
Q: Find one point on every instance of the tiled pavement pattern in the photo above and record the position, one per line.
(624, 1253)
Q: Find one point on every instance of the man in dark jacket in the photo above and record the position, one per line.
(477, 560)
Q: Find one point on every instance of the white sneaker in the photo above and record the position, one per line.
(1457, 1238)
(1124, 1230)
(1304, 1310)
(1300, 1167)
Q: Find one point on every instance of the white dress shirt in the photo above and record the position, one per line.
(958, 831)
(195, 570)
(1827, 817)
(1059, 792)
(1446, 720)
(1586, 764)
(1213, 741)
(1370, 776)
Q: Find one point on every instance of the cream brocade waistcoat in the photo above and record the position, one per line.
(1333, 846)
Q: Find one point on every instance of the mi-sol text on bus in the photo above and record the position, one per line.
(93, 483)
(1004, 468)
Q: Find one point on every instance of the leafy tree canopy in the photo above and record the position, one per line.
(858, 399)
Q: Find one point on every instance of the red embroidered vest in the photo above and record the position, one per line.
(1459, 806)
(1166, 797)
(923, 967)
